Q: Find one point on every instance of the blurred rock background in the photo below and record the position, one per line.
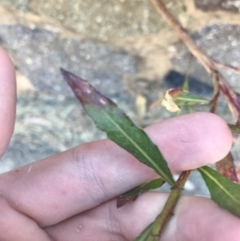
(123, 48)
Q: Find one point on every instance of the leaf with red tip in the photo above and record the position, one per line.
(135, 192)
(226, 167)
(118, 126)
(174, 99)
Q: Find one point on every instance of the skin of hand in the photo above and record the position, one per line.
(71, 196)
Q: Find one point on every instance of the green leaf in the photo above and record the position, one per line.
(174, 99)
(186, 98)
(234, 128)
(118, 126)
(223, 191)
(135, 192)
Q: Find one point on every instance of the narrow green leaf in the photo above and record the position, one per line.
(234, 128)
(186, 98)
(135, 192)
(174, 99)
(223, 191)
(118, 126)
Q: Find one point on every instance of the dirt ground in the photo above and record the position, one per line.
(152, 40)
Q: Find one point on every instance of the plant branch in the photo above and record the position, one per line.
(183, 34)
(211, 66)
(169, 206)
(231, 68)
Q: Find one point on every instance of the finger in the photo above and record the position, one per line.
(194, 219)
(7, 100)
(86, 176)
(16, 226)
(194, 140)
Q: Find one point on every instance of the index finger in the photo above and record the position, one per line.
(61, 186)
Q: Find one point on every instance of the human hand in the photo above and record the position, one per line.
(71, 196)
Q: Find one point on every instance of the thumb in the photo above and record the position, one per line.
(7, 100)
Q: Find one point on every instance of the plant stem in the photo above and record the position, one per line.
(208, 63)
(167, 211)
